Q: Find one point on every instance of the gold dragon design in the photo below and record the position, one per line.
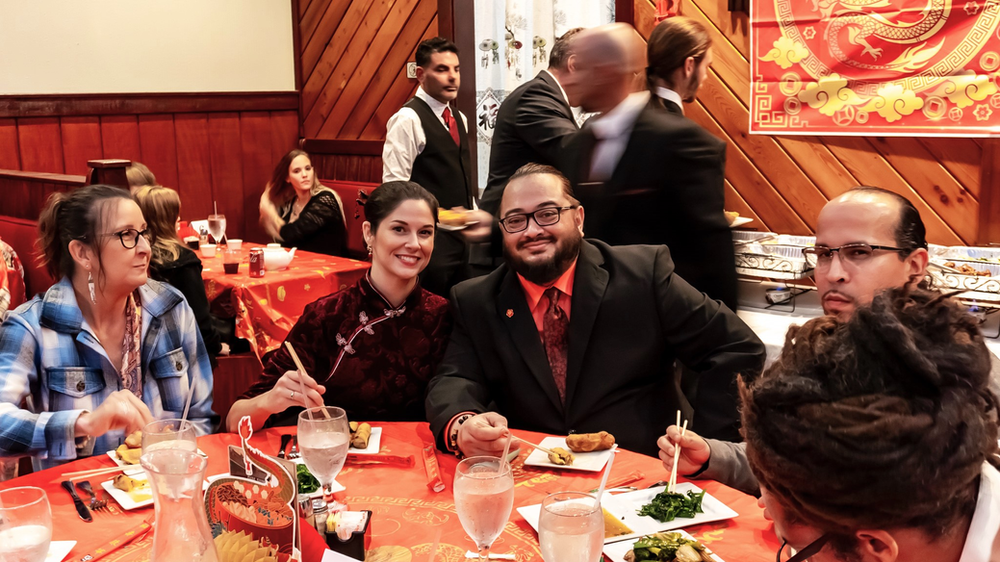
(862, 25)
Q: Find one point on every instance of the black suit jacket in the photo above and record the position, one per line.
(630, 317)
(668, 188)
(534, 124)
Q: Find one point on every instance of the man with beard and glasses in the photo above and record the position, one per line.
(576, 336)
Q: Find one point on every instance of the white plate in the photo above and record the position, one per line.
(626, 508)
(135, 468)
(452, 228)
(588, 462)
(58, 550)
(374, 442)
(740, 221)
(123, 498)
(616, 552)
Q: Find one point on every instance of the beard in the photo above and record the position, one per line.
(547, 271)
(691, 88)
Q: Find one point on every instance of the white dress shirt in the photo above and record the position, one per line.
(985, 520)
(405, 138)
(670, 95)
(612, 131)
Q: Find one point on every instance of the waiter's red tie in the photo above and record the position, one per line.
(556, 329)
(452, 125)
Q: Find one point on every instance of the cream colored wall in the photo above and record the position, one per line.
(119, 46)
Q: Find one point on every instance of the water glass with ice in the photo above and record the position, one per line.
(484, 496)
(323, 442)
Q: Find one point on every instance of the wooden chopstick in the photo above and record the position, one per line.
(677, 455)
(539, 447)
(302, 371)
(87, 474)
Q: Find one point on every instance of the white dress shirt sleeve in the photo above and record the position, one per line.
(404, 140)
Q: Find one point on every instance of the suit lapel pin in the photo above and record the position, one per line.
(510, 313)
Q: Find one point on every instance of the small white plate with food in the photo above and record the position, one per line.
(592, 461)
(666, 542)
(131, 491)
(372, 441)
(454, 219)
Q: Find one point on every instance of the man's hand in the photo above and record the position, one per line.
(479, 232)
(121, 410)
(694, 451)
(484, 434)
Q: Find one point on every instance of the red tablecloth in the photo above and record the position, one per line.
(267, 307)
(407, 515)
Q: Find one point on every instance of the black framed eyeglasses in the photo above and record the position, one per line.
(546, 216)
(810, 550)
(855, 253)
(130, 237)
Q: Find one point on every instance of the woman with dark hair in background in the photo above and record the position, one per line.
(298, 211)
(173, 262)
(371, 348)
(105, 350)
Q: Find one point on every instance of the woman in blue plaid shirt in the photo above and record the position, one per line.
(105, 350)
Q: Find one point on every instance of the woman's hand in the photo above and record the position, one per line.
(287, 392)
(121, 410)
(695, 451)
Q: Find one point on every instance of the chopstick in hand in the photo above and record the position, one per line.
(672, 486)
(539, 447)
(302, 372)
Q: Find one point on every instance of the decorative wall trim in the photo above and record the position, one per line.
(60, 105)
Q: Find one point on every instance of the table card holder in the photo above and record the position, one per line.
(252, 512)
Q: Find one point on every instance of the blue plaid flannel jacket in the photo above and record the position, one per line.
(48, 352)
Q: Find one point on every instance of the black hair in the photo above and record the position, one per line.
(386, 197)
(431, 46)
(532, 168)
(910, 233)
(561, 49)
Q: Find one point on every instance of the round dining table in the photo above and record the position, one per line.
(408, 517)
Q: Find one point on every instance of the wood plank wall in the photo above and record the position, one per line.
(210, 148)
(353, 56)
(783, 181)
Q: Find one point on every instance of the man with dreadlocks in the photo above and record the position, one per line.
(875, 438)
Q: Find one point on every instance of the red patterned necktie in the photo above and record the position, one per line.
(555, 329)
(452, 125)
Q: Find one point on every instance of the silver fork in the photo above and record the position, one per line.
(294, 453)
(95, 504)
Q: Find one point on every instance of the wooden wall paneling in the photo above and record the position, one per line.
(255, 139)
(961, 157)
(734, 25)
(10, 157)
(120, 137)
(316, 79)
(89, 105)
(225, 147)
(932, 182)
(284, 133)
(158, 144)
(194, 164)
(39, 140)
(303, 7)
(391, 32)
(316, 38)
(81, 141)
(989, 200)
(735, 202)
(400, 92)
(330, 88)
(405, 44)
(870, 168)
(766, 202)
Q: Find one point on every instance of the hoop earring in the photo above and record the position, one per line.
(90, 285)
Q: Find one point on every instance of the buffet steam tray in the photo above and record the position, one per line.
(977, 287)
(770, 255)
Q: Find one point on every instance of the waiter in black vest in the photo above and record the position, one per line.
(427, 142)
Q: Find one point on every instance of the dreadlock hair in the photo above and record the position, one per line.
(882, 421)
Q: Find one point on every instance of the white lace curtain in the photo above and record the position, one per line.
(513, 39)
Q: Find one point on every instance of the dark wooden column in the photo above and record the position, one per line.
(109, 172)
(989, 194)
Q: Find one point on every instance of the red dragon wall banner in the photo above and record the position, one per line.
(875, 67)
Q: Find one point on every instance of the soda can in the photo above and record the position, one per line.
(257, 262)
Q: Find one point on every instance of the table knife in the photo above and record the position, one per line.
(81, 508)
(284, 444)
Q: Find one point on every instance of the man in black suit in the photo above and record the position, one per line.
(534, 124)
(648, 174)
(578, 336)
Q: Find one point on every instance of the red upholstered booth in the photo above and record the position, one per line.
(350, 193)
(21, 235)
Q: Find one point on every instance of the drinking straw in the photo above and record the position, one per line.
(506, 449)
(607, 472)
(187, 404)
(434, 545)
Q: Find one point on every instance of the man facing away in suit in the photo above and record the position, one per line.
(427, 142)
(648, 175)
(534, 124)
(575, 336)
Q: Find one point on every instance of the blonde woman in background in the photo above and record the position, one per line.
(174, 263)
(138, 175)
(298, 211)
